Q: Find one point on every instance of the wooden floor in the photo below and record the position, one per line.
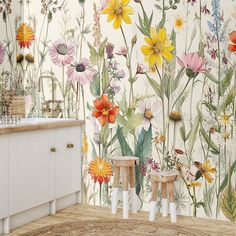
(83, 212)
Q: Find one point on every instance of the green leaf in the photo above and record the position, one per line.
(95, 86)
(105, 78)
(167, 85)
(125, 148)
(211, 77)
(227, 100)
(158, 7)
(143, 149)
(193, 134)
(123, 103)
(225, 181)
(198, 175)
(177, 79)
(155, 86)
(227, 80)
(49, 16)
(101, 49)
(210, 106)
(228, 203)
(94, 153)
(121, 120)
(94, 57)
(133, 122)
(183, 133)
(4, 16)
(208, 199)
(210, 143)
(104, 134)
(142, 26)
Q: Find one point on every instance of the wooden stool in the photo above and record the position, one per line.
(127, 163)
(167, 180)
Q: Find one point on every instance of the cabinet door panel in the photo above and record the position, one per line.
(68, 161)
(3, 176)
(31, 164)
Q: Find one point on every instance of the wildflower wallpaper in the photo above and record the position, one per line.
(155, 79)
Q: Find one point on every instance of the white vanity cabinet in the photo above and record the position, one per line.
(31, 172)
(40, 168)
(3, 176)
(67, 163)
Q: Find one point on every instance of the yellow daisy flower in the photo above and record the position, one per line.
(179, 23)
(206, 169)
(118, 10)
(25, 35)
(225, 119)
(194, 184)
(159, 46)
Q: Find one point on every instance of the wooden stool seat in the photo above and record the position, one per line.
(166, 179)
(163, 176)
(127, 163)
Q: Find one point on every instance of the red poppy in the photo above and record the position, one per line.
(232, 46)
(105, 110)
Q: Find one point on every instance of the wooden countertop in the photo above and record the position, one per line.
(25, 127)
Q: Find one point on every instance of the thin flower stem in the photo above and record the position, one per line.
(191, 104)
(81, 42)
(181, 93)
(77, 100)
(186, 32)
(193, 197)
(63, 91)
(174, 135)
(100, 194)
(163, 9)
(163, 106)
(84, 111)
(128, 66)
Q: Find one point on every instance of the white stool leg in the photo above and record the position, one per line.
(173, 212)
(133, 200)
(164, 204)
(6, 225)
(125, 204)
(115, 192)
(152, 211)
(53, 207)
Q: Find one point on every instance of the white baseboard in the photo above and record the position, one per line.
(38, 212)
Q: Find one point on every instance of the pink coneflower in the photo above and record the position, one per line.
(193, 63)
(122, 52)
(2, 53)
(62, 52)
(81, 71)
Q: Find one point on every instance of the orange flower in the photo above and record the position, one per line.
(232, 47)
(105, 110)
(25, 35)
(100, 170)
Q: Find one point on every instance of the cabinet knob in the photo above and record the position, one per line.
(53, 149)
(70, 145)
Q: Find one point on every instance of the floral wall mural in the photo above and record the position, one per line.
(155, 79)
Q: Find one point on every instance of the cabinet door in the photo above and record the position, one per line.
(31, 164)
(4, 176)
(68, 161)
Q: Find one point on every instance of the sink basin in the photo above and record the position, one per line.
(41, 120)
(32, 121)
